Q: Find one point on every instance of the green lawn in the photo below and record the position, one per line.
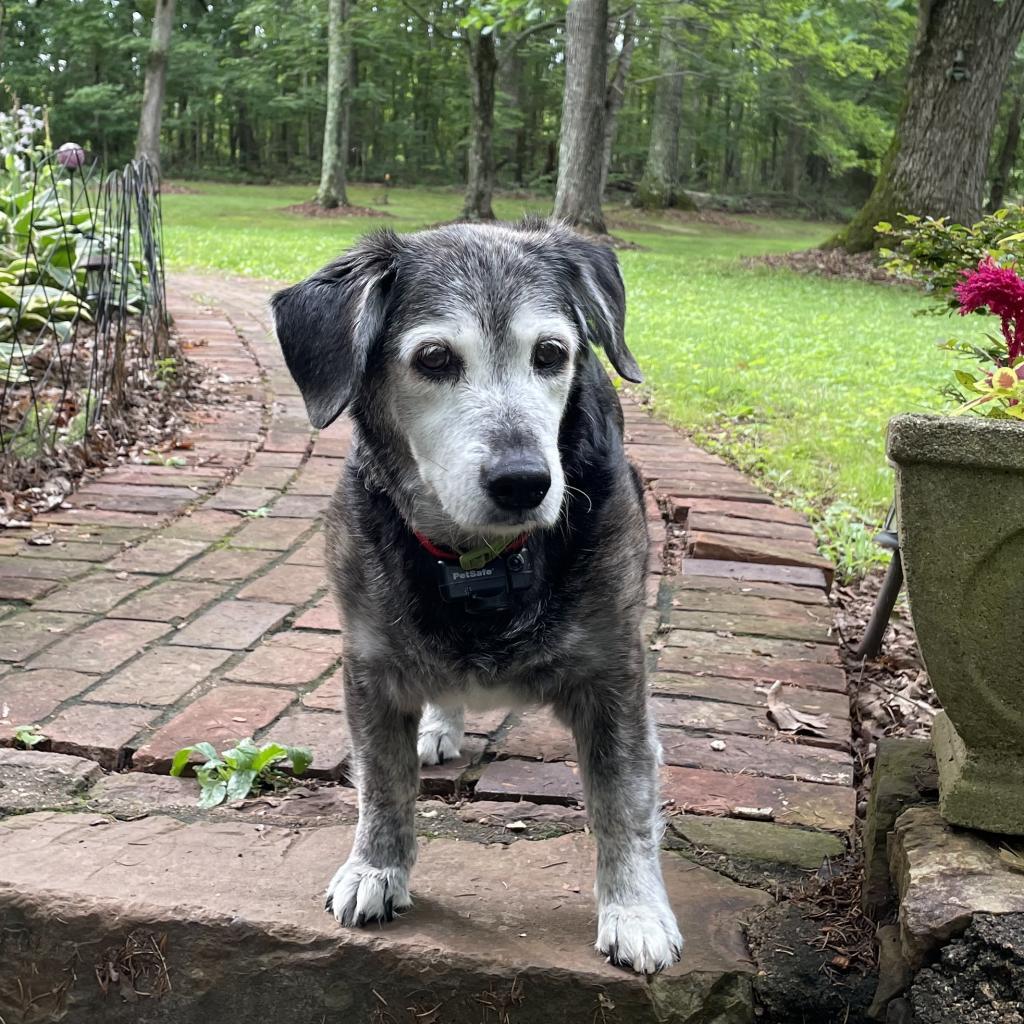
(791, 376)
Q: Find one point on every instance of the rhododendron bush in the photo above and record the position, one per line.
(974, 270)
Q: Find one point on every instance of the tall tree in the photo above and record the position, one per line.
(615, 94)
(483, 67)
(937, 162)
(581, 141)
(659, 186)
(148, 142)
(332, 192)
(1007, 154)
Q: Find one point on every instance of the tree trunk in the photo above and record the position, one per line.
(616, 92)
(581, 140)
(483, 69)
(937, 162)
(1007, 155)
(147, 143)
(332, 193)
(659, 186)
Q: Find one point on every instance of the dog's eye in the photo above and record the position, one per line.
(433, 358)
(548, 354)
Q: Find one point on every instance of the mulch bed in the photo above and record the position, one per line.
(315, 210)
(890, 694)
(861, 266)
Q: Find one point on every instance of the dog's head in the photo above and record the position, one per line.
(460, 346)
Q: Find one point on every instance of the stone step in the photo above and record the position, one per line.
(225, 921)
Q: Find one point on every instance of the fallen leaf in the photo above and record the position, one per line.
(788, 719)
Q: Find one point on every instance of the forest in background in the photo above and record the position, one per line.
(767, 96)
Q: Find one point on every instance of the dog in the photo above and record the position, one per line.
(487, 542)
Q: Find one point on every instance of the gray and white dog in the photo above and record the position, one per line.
(484, 423)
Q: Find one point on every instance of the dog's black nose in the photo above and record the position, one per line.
(517, 483)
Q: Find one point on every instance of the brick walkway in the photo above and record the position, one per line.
(162, 615)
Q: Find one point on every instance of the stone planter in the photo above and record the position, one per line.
(960, 496)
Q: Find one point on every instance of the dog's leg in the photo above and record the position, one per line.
(374, 882)
(619, 756)
(440, 737)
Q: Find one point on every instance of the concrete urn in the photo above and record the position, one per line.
(960, 498)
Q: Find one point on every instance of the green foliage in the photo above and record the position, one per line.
(935, 253)
(27, 737)
(243, 770)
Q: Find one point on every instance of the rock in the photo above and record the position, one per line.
(237, 911)
(944, 876)
(904, 774)
(894, 974)
(759, 840)
(33, 780)
(978, 979)
(499, 812)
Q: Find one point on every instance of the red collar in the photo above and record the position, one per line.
(453, 556)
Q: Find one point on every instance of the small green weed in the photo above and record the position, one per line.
(243, 770)
(27, 737)
(255, 513)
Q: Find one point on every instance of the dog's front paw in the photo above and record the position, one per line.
(440, 735)
(642, 937)
(359, 893)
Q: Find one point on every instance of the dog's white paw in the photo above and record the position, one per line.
(641, 937)
(359, 893)
(440, 735)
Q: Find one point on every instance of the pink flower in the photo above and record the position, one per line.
(1001, 291)
(71, 155)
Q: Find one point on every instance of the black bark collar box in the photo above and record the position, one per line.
(489, 588)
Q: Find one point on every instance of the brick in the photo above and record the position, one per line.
(286, 441)
(326, 643)
(695, 640)
(484, 723)
(227, 713)
(160, 677)
(31, 631)
(742, 720)
(241, 499)
(291, 459)
(680, 492)
(543, 782)
(203, 524)
(61, 570)
(69, 516)
(159, 556)
(323, 733)
(203, 477)
(538, 735)
(794, 575)
(270, 534)
(274, 478)
(311, 553)
(74, 551)
(748, 692)
(94, 533)
(226, 564)
(816, 675)
(100, 733)
(14, 588)
(450, 778)
(698, 791)
(296, 584)
(734, 548)
(169, 601)
(126, 498)
(281, 665)
(323, 615)
(707, 522)
(232, 625)
(328, 696)
(748, 754)
(102, 646)
(725, 585)
(96, 594)
(749, 624)
(737, 602)
(301, 506)
(28, 696)
(318, 476)
(750, 510)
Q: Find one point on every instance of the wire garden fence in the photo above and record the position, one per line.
(83, 320)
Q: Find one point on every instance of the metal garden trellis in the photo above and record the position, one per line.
(82, 309)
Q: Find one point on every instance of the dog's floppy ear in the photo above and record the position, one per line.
(327, 324)
(600, 299)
